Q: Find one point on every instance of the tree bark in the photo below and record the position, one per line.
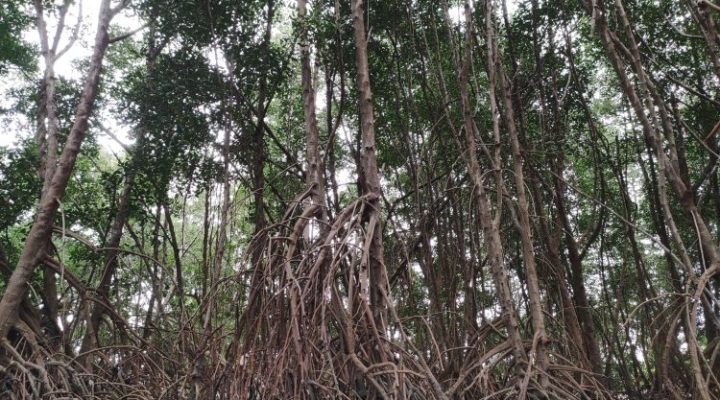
(370, 178)
(48, 127)
(489, 224)
(315, 176)
(114, 236)
(525, 227)
(110, 261)
(659, 134)
(39, 235)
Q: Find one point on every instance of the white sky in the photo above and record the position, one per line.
(82, 49)
(64, 67)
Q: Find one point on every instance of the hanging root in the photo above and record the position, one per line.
(314, 333)
(41, 375)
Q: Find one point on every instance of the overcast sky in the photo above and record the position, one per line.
(82, 49)
(64, 67)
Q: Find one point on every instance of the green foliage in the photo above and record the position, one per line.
(14, 52)
(199, 70)
(177, 103)
(19, 183)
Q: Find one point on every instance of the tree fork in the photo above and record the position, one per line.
(47, 210)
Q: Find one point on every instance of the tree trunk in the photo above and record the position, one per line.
(370, 178)
(489, 224)
(48, 127)
(533, 283)
(39, 235)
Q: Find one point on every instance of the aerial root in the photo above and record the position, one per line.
(316, 335)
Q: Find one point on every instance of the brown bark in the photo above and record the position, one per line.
(707, 25)
(179, 278)
(112, 242)
(48, 127)
(577, 280)
(39, 235)
(249, 324)
(373, 265)
(28, 313)
(315, 166)
(647, 104)
(48, 119)
(259, 156)
(489, 224)
(314, 175)
(110, 261)
(525, 227)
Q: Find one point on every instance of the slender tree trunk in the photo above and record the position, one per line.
(39, 235)
(250, 325)
(528, 254)
(647, 105)
(48, 127)
(489, 224)
(112, 242)
(577, 280)
(375, 264)
(315, 176)
(260, 151)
